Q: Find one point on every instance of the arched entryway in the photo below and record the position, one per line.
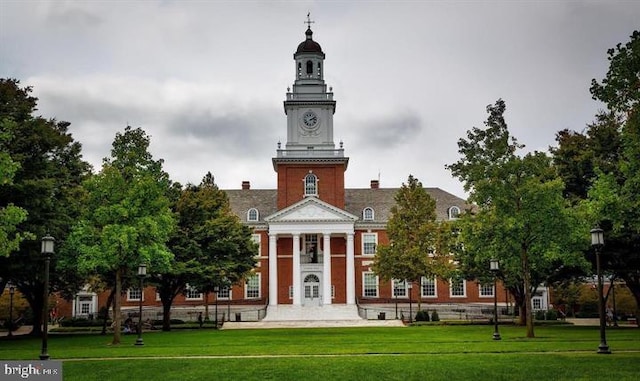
(311, 290)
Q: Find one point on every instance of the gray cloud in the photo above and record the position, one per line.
(207, 79)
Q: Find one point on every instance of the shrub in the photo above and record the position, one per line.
(552, 315)
(81, 322)
(422, 315)
(434, 316)
(539, 315)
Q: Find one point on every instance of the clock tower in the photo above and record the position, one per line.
(310, 164)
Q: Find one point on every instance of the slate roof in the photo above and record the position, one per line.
(380, 199)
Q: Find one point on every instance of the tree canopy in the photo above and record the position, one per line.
(48, 171)
(609, 190)
(418, 244)
(128, 219)
(211, 247)
(522, 218)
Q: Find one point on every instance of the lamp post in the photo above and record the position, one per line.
(142, 273)
(494, 266)
(216, 289)
(12, 290)
(46, 250)
(409, 286)
(597, 241)
(395, 295)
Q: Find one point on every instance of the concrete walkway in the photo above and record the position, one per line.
(22, 330)
(312, 324)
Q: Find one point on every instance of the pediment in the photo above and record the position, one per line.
(311, 209)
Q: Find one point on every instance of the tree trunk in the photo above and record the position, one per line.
(116, 308)
(166, 314)
(527, 291)
(106, 315)
(35, 301)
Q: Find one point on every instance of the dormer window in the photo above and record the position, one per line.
(454, 213)
(310, 185)
(367, 214)
(253, 215)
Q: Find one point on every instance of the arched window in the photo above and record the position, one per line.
(367, 214)
(454, 212)
(311, 278)
(310, 185)
(309, 67)
(253, 215)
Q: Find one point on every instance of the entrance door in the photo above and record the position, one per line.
(311, 287)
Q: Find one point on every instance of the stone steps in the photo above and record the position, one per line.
(312, 313)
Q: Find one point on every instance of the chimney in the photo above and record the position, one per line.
(246, 185)
(375, 184)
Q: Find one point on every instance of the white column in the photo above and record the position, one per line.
(351, 271)
(296, 270)
(273, 270)
(326, 269)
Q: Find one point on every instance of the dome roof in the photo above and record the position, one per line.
(308, 45)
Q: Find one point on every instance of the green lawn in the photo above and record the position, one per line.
(414, 353)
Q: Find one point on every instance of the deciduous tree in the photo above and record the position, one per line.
(47, 174)
(128, 219)
(522, 219)
(418, 244)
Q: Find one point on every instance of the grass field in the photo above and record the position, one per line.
(414, 353)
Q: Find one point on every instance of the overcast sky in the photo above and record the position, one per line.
(206, 79)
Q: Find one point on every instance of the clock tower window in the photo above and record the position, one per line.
(309, 68)
(310, 185)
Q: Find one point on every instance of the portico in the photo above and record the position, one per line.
(309, 227)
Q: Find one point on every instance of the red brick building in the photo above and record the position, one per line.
(317, 239)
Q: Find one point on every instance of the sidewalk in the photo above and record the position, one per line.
(23, 330)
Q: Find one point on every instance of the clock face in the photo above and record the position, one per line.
(309, 119)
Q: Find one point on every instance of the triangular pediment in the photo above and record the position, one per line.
(311, 209)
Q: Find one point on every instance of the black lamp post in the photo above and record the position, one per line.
(395, 295)
(12, 290)
(597, 241)
(142, 273)
(494, 266)
(216, 290)
(47, 251)
(409, 286)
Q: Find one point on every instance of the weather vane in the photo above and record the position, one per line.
(309, 22)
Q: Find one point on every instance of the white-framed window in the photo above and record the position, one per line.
(158, 298)
(367, 214)
(458, 288)
(224, 293)
(333, 291)
(257, 239)
(369, 243)
(134, 294)
(253, 215)
(486, 290)
(85, 308)
(454, 213)
(310, 185)
(428, 287)
(369, 285)
(290, 292)
(399, 288)
(536, 303)
(192, 293)
(252, 287)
